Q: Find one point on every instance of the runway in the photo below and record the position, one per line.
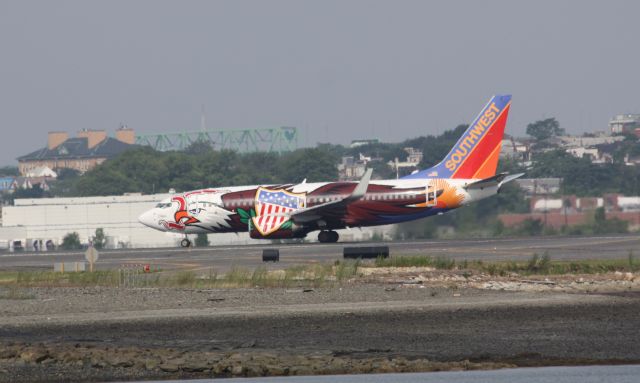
(222, 258)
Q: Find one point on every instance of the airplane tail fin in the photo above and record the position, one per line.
(476, 153)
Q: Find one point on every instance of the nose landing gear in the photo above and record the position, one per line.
(185, 242)
(328, 236)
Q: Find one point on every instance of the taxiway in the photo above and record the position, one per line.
(222, 258)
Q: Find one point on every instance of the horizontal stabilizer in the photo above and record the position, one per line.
(510, 178)
(497, 180)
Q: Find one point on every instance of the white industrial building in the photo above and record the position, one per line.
(50, 219)
(47, 219)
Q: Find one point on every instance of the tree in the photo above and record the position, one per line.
(381, 170)
(602, 225)
(531, 227)
(99, 239)
(544, 129)
(9, 171)
(198, 147)
(34, 192)
(66, 181)
(67, 173)
(566, 205)
(71, 241)
(315, 165)
(582, 177)
(434, 148)
(202, 240)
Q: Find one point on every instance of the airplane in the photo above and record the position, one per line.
(467, 174)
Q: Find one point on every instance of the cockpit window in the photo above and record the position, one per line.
(162, 205)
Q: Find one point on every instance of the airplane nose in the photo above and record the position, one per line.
(147, 219)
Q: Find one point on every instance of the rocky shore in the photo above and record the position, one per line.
(46, 362)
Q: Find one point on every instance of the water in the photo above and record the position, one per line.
(588, 374)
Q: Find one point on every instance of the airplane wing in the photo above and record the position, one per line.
(497, 180)
(332, 208)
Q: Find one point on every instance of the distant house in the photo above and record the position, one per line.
(570, 210)
(82, 153)
(11, 184)
(22, 183)
(535, 186)
(515, 150)
(607, 151)
(414, 157)
(352, 169)
(568, 142)
(581, 152)
(7, 184)
(624, 123)
(30, 182)
(595, 147)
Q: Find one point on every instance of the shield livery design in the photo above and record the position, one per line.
(272, 208)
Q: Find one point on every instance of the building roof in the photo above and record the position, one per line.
(78, 147)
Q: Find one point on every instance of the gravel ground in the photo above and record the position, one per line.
(52, 301)
(101, 334)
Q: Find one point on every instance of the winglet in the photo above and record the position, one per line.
(362, 186)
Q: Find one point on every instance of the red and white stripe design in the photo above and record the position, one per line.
(273, 208)
(270, 217)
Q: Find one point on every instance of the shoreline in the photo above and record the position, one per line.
(106, 334)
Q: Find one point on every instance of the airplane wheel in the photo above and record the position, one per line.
(333, 236)
(185, 243)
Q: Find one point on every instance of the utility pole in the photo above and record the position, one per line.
(203, 121)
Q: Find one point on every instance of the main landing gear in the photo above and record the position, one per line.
(185, 242)
(329, 236)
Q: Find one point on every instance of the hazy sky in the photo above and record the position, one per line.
(338, 70)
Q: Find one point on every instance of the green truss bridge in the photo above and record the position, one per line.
(282, 139)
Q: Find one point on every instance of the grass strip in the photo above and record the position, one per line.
(315, 275)
(537, 264)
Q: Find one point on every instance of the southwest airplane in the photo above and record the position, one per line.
(465, 175)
